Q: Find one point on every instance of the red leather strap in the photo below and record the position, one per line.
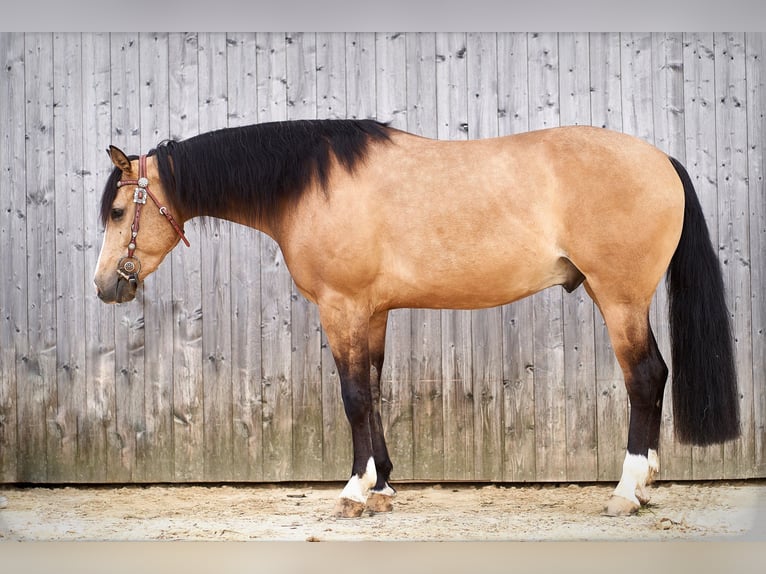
(137, 217)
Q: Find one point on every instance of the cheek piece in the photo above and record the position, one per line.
(129, 267)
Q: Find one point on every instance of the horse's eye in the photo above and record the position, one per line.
(117, 214)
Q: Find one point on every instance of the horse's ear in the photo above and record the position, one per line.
(118, 157)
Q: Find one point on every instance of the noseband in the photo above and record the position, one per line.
(129, 267)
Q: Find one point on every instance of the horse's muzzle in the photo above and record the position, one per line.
(120, 290)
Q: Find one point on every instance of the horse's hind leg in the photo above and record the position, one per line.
(380, 499)
(645, 375)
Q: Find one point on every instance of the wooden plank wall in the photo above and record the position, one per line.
(220, 371)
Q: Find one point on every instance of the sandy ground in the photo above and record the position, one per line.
(567, 512)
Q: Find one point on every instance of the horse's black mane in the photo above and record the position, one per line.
(254, 168)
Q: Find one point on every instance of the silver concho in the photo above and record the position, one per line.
(128, 266)
(139, 195)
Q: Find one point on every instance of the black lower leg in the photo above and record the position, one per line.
(357, 403)
(645, 390)
(383, 464)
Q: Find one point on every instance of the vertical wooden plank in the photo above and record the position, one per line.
(668, 88)
(637, 99)
(36, 374)
(361, 79)
(578, 308)
(700, 153)
(733, 234)
(550, 392)
(457, 371)
(331, 103)
(396, 383)
(518, 325)
(427, 402)
(486, 324)
(188, 393)
(611, 401)
(216, 279)
(13, 245)
(98, 419)
(158, 308)
(247, 448)
(70, 268)
(637, 108)
(306, 329)
(276, 284)
(331, 75)
(127, 439)
(755, 45)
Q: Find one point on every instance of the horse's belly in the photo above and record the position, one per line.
(472, 286)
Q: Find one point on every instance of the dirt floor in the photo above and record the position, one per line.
(678, 511)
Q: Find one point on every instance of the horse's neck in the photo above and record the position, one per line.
(240, 217)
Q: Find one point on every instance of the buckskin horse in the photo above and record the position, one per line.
(370, 218)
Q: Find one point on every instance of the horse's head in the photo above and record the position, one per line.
(139, 229)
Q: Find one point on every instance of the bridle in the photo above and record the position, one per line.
(129, 267)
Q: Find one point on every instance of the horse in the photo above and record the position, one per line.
(370, 218)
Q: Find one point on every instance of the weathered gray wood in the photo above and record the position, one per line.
(217, 416)
(188, 393)
(578, 308)
(486, 324)
(637, 120)
(158, 310)
(332, 72)
(331, 75)
(13, 245)
(126, 440)
(69, 270)
(611, 399)
(396, 382)
(306, 369)
(427, 401)
(245, 286)
(98, 417)
(700, 154)
(36, 372)
(668, 95)
(733, 234)
(755, 46)
(452, 124)
(518, 323)
(276, 339)
(550, 391)
(174, 386)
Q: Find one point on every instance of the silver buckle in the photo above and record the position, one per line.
(139, 195)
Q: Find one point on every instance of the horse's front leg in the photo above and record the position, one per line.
(347, 333)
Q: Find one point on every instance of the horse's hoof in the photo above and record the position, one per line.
(377, 502)
(347, 508)
(619, 506)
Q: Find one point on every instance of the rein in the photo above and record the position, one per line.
(129, 267)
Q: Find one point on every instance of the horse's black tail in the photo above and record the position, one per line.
(705, 397)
